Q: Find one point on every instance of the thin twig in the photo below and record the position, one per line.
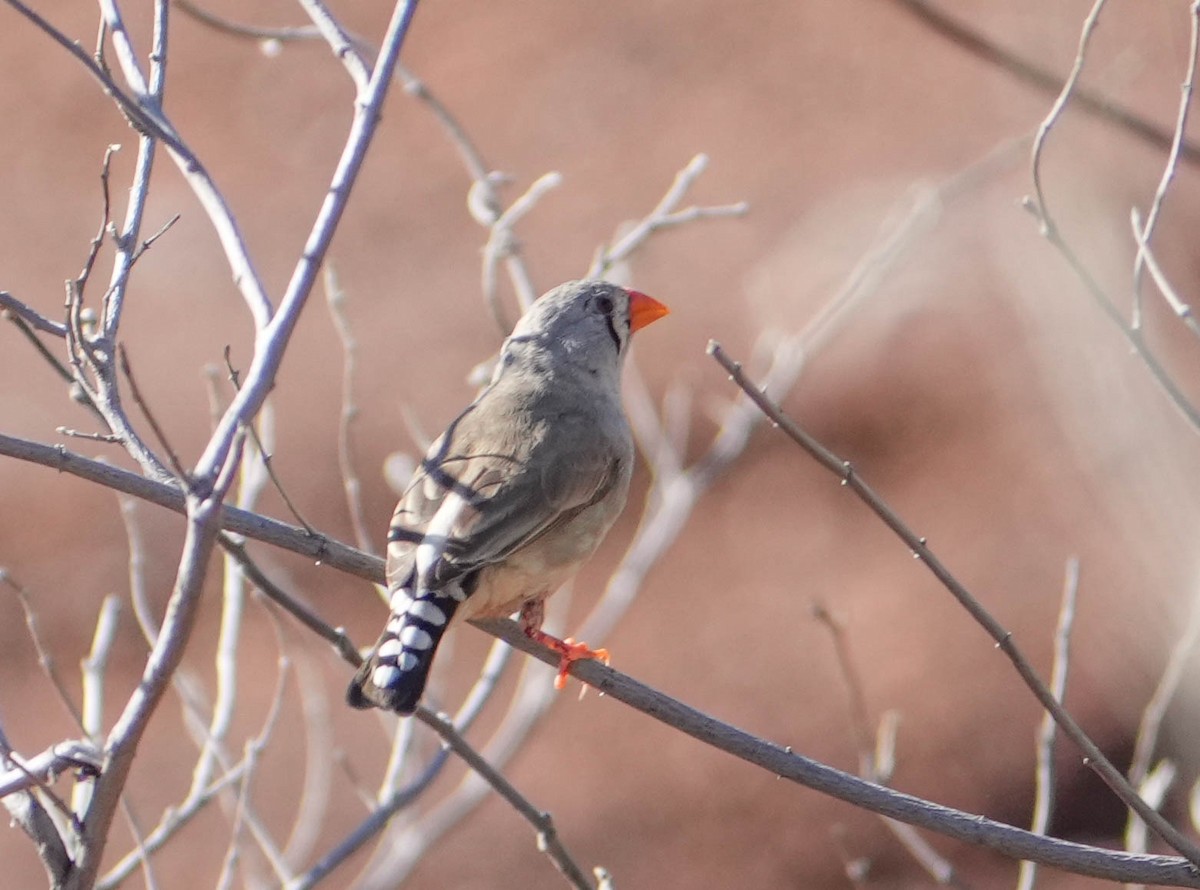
(664, 216)
(93, 669)
(318, 547)
(317, 716)
(274, 337)
(344, 45)
(1155, 711)
(1167, 870)
(253, 479)
(876, 756)
(144, 406)
(336, 637)
(1043, 803)
(860, 721)
(106, 438)
(254, 747)
(1003, 638)
(1043, 131)
(503, 244)
(30, 316)
(81, 280)
(45, 659)
(547, 835)
(1178, 305)
(263, 453)
(335, 298)
(1172, 164)
(371, 826)
(1043, 79)
(1049, 229)
(785, 763)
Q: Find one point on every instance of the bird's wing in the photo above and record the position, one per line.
(481, 494)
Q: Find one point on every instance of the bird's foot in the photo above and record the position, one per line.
(569, 651)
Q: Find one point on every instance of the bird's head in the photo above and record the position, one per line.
(588, 319)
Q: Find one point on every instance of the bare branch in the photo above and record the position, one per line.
(1166, 870)
(1039, 143)
(1043, 803)
(1146, 257)
(371, 826)
(335, 297)
(1041, 78)
(782, 762)
(165, 655)
(144, 406)
(321, 548)
(1160, 194)
(502, 243)
(105, 220)
(663, 216)
(547, 836)
(45, 659)
(262, 451)
(274, 337)
(920, 550)
(1049, 229)
(876, 754)
(1155, 711)
(173, 820)
(344, 45)
(73, 756)
(30, 316)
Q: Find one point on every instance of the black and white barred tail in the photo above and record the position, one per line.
(395, 674)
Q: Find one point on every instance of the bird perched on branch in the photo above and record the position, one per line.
(516, 493)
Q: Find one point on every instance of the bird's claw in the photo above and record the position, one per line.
(569, 652)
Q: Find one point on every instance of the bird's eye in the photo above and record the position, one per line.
(605, 305)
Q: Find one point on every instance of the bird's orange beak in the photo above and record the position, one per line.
(643, 310)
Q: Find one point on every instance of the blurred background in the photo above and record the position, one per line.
(973, 383)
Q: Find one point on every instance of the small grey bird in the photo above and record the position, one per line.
(516, 493)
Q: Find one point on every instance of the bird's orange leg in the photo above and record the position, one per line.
(569, 651)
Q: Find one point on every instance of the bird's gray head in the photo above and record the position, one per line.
(590, 320)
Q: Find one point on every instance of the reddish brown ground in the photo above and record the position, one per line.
(977, 389)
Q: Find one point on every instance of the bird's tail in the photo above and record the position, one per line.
(394, 676)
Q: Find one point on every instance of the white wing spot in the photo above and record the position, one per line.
(427, 611)
(407, 661)
(385, 676)
(437, 534)
(390, 649)
(400, 602)
(396, 624)
(456, 593)
(415, 638)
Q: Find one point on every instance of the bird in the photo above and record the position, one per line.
(517, 492)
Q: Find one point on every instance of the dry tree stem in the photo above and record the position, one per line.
(1043, 802)
(1178, 305)
(1049, 229)
(920, 550)
(873, 765)
(335, 298)
(1047, 81)
(1039, 143)
(1079, 858)
(1172, 164)
(45, 659)
(547, 835)
(1156, 708)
